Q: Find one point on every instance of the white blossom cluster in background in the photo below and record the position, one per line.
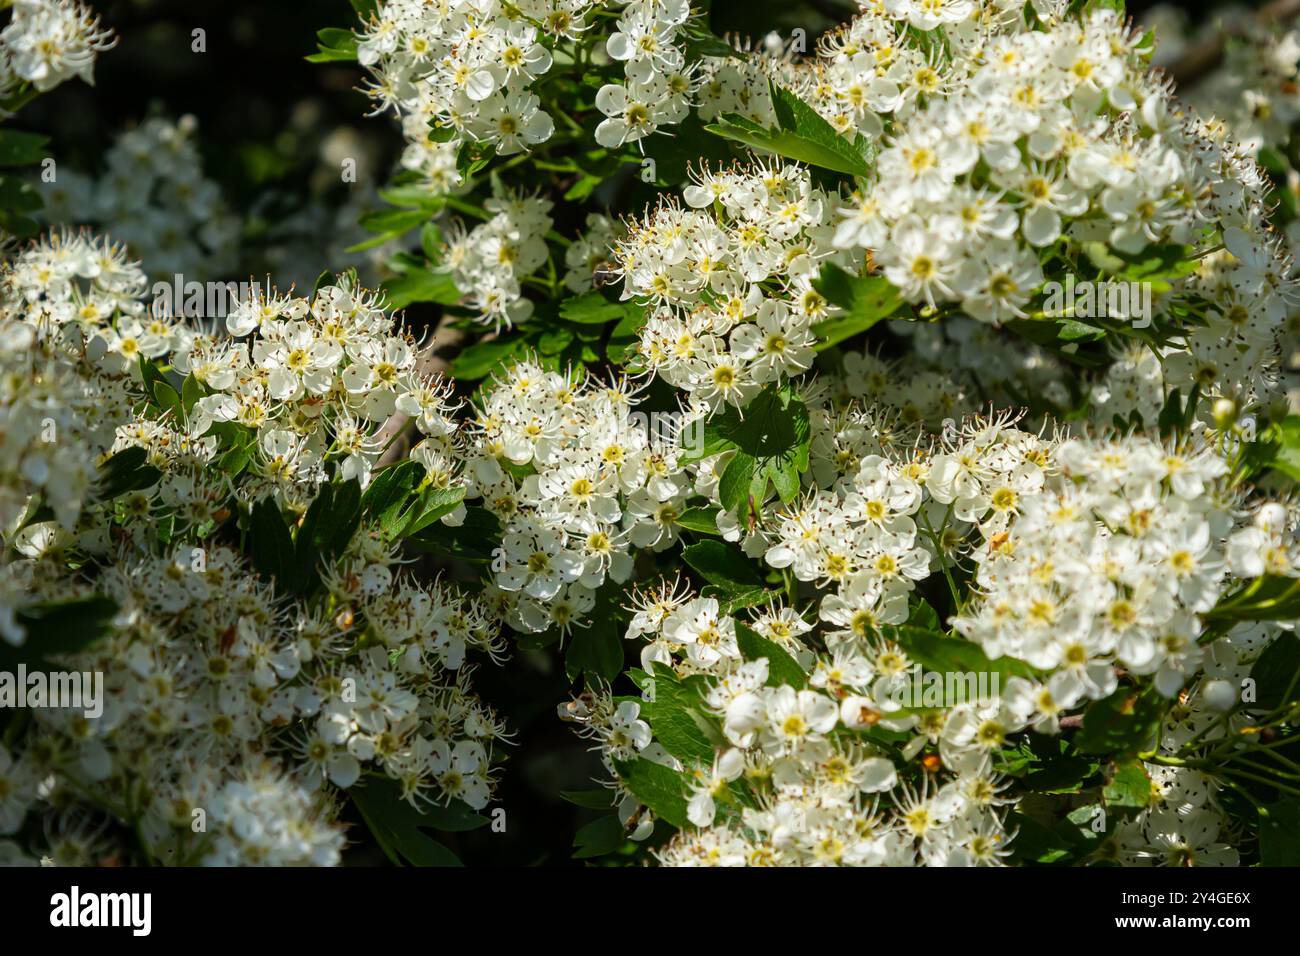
(1091, 555)
(578, 485)
(224, 693)
(61, 391)
(1110, 563)
(1252, 89)
(313, 379)
(1078, 139)
(154, 197)
(589, 258)
(731, 295)
(1065, 134)
(489, 263)
(1251, 93)
(462, 73)
(658, 83)
(46, 42)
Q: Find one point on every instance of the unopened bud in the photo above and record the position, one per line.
(1224, 411)
(1220, 695)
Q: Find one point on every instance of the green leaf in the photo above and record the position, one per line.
(675, 716)
(730, 601)
(1287, 456)
(722, 564)
(1277, 673)
(429, 505)
(597, 649)
(1171, 414)
(781, 667)
(1072, 330)
(397, 826)
(700, 520)
(386, 500)
(737, 483)
(1279, 834)
(802, 135)
(327, 527)
(555, 340)
(943, 654)
(626, 337)
(659, 788)
(590, 799)
(1123, 724)
(483, 358)
(22, 149)
(1129, 788)
(126, 471)
(59, 627)
(336, 528)
(1054, 766)
(1036, 843)
(923, 616)
(600, 837)
(472, 540)
(1160, 266)
(773, 424)
(238, 443)
(455, 817)
(590, 308)
(865, 301)
(1269, 598)
(18, 195)
(335, 45)
(421, 285)
(393, 222)
(771, 438)
(784, 477)
(191, 392)
(271, 546)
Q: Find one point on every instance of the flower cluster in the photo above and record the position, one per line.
(578, 480)
(490, 262)
(1112, 562)
(267, 821)
(799, 781)
(47, 42)
(658, 82)
(1251, 95)
(731, 295)
(154, 197)
(232, 697)
(61, 369)
(462, 73)
(312, 380)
